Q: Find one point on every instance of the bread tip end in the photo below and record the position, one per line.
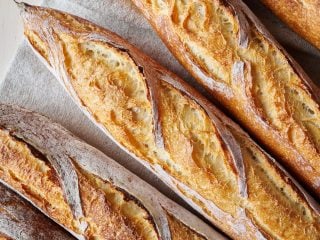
(21, 5)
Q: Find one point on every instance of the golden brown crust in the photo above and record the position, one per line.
(302, 16)
(105, 222)
(37, 180)
(174, 131)
(2, 237)
(20, 220)
(181, 232)
(115, 204)
(229, 52)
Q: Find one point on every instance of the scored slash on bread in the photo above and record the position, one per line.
(50, 168)
(229, 52)
(20, 220)
(171, 129)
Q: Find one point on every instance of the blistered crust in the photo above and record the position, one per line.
(185, 140)
(36, 179)
(115, 204)
(20, 220)
(302, 16)
(182, 232)
(228, 51)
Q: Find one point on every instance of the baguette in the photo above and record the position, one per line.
(172, 130)
(20, 220)
(228, 51)
(83, 190)
(301, 16)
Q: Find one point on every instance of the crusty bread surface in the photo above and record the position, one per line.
(36, 179)
(20, 220)
(166, 125)
(81, 189)
(302, 16)
(225, 47)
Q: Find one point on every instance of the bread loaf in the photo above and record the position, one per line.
(81, 189)
(20, 220)
(171, 129)
(225, 47)
(302, 16)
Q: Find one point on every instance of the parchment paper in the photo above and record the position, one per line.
(29, 84)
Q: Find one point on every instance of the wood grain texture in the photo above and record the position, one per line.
(205, 157)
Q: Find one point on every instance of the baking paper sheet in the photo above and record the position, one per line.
(29, 84)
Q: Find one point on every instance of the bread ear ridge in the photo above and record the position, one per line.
(228, 135)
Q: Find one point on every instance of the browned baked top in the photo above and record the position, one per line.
(224, 46)
(107, 211)
(171, 129)
(302, 16)
(3, 237)
(67, 180)
(20, 220)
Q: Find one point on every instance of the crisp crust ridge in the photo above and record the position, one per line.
(205, 158)
(20, 220)
(115, 203)
(226, 48)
